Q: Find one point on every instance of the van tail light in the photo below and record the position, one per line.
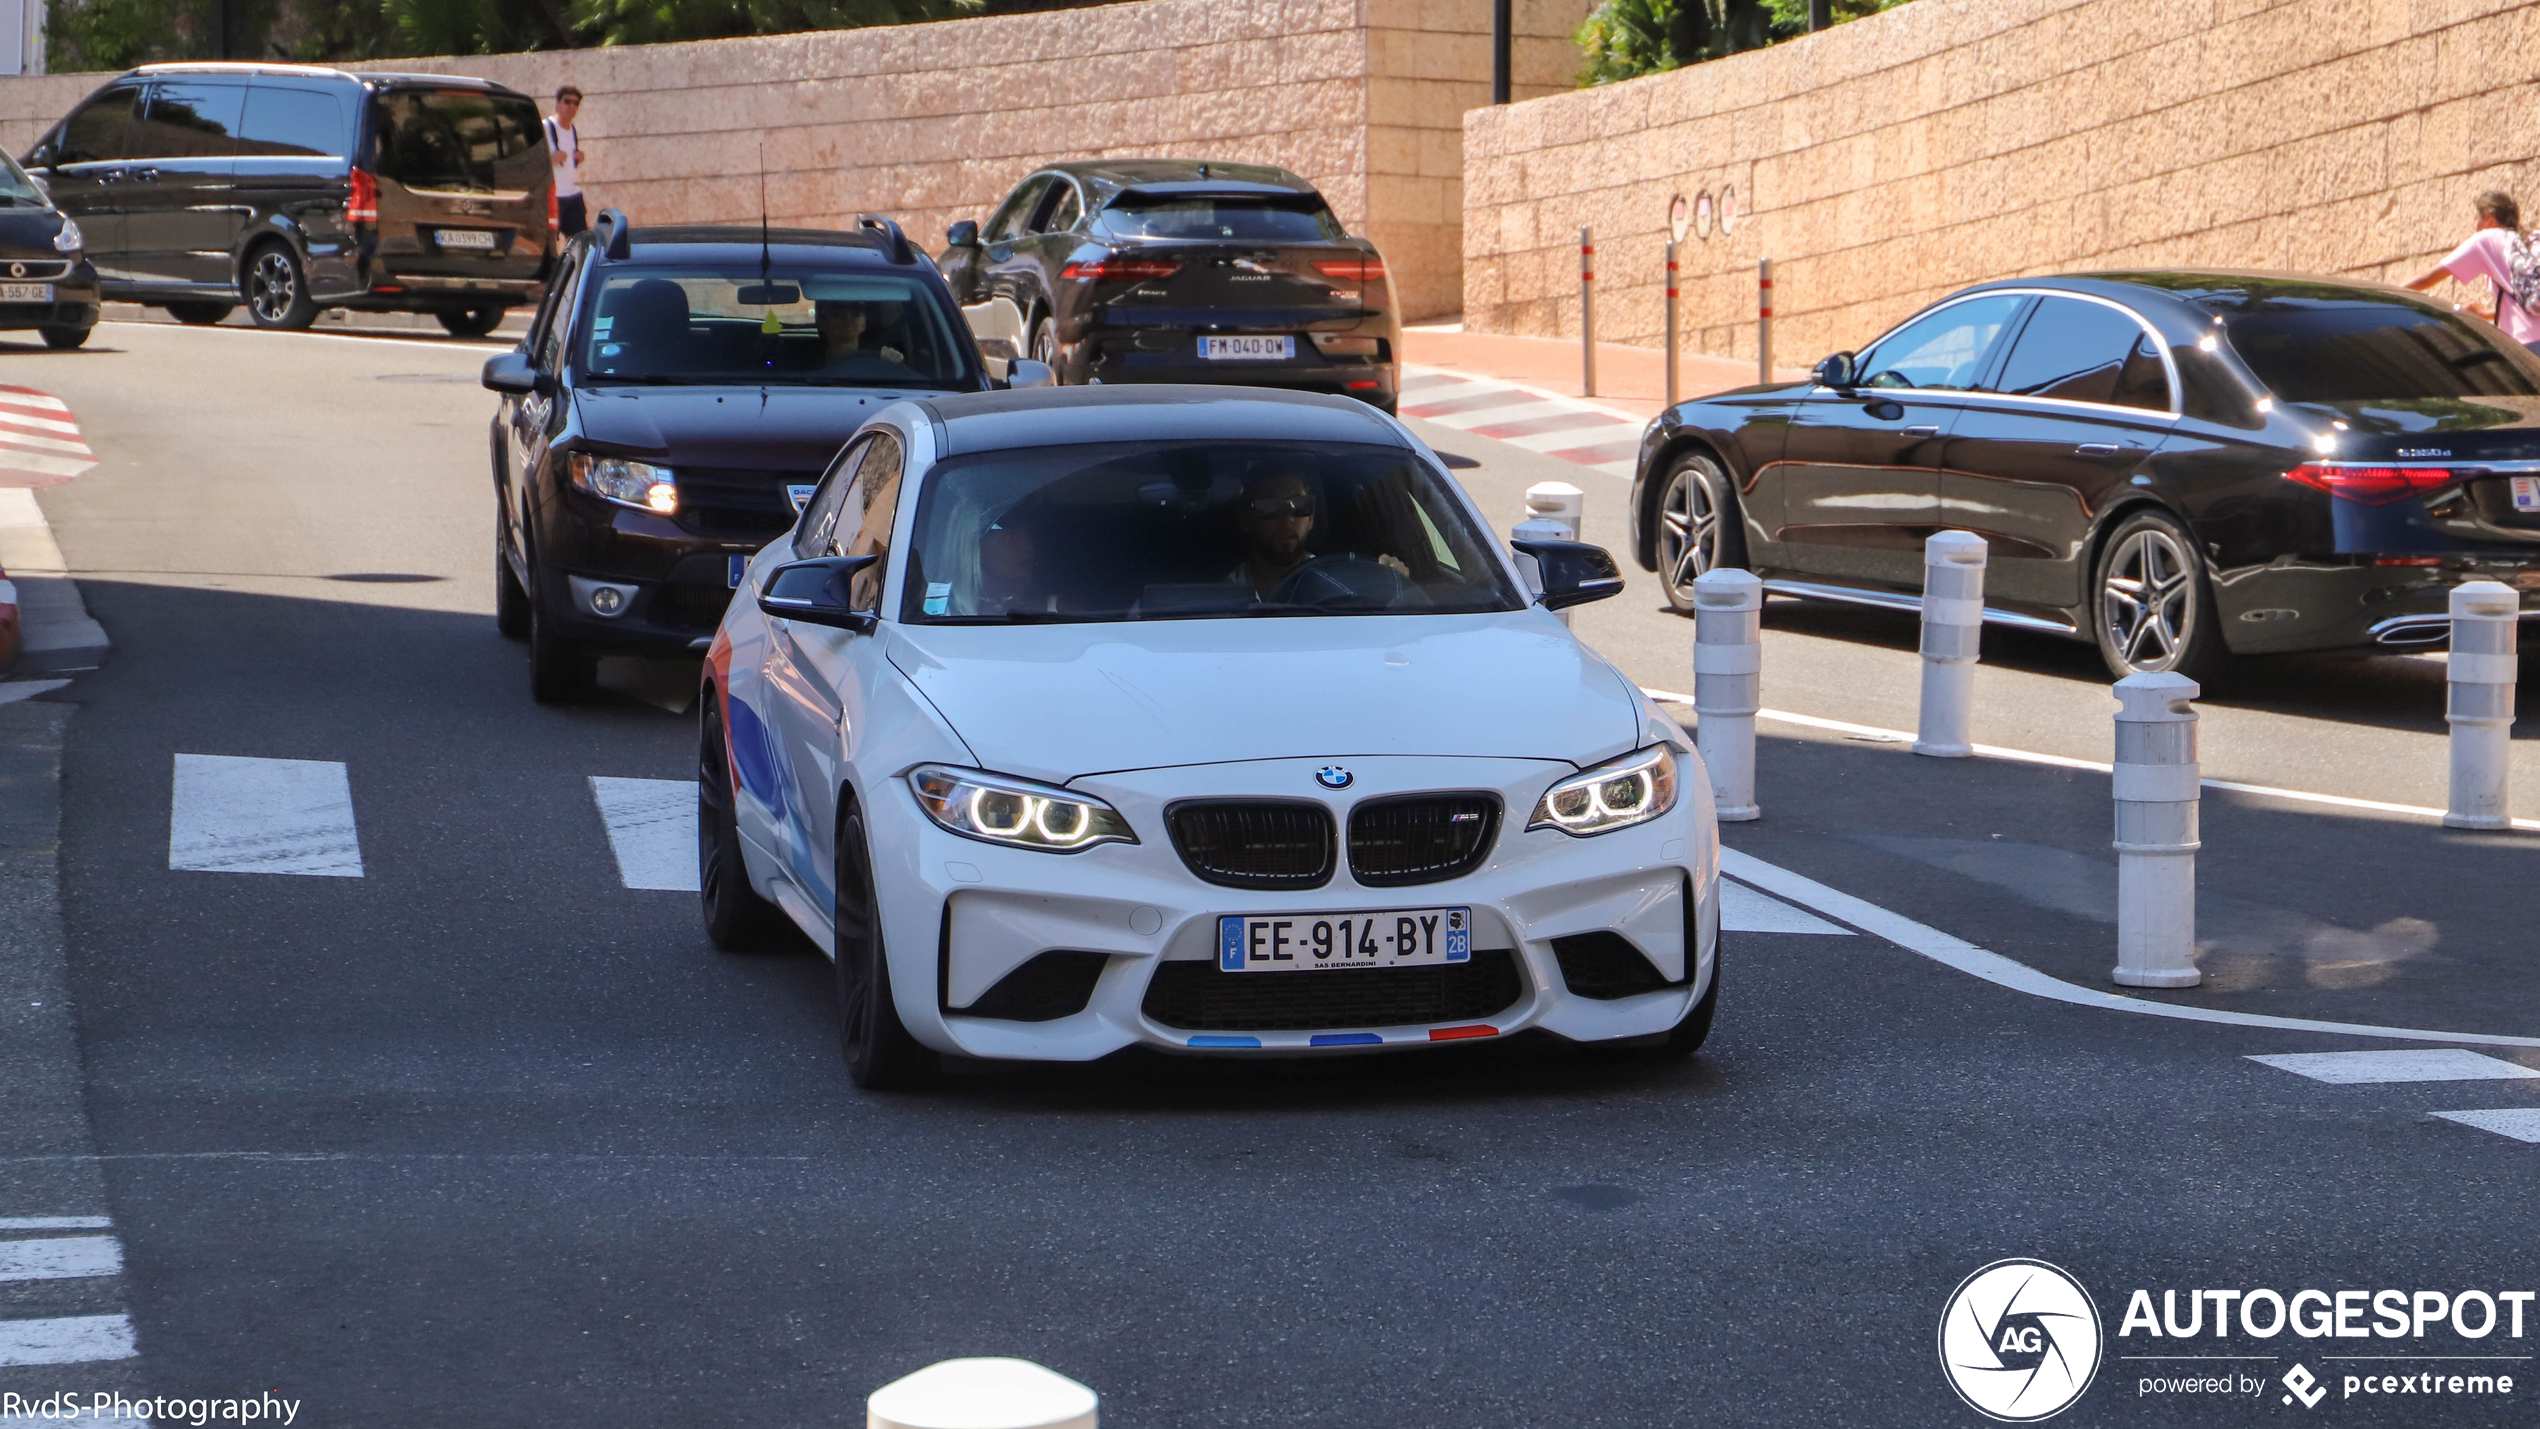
(1352, 270)
(2370, 485)
(1117, 269)
(362, 204)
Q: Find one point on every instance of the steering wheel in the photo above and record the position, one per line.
(1340, 579)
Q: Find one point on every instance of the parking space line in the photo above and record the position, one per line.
(239, 815)
(2450, 1064)
(70, 1339)
(70, 1257)
(1743, 910)
(652, 827)
(2522, 1123)
(55, 1223)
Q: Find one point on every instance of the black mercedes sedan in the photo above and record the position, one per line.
(1175, 270)
(2178, 466)
(675, 401)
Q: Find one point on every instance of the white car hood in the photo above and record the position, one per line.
(1056, 702)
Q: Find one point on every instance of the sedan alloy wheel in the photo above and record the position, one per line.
(1697, 531)
(2153, 610)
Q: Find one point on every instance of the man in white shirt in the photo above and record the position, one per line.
(564, 150)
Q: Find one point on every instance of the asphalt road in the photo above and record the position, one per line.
(483, 1137)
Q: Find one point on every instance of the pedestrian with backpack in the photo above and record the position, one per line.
(2506, 257)
(564, 150)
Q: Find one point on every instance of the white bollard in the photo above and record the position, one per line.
(982, 1394)
(2486, 616)
(1557, 501)
(1728, 661)
(1953, 621)
(2157, 791)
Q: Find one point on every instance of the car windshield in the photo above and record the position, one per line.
(1195, 530)
(1302, 219)
(2360, 349)
(16, 189)
(463, 140)
(679, 324)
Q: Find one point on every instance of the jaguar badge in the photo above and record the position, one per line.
(1332, 776)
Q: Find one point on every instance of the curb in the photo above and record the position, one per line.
(57, 634)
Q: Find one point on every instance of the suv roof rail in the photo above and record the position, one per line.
(897, 242)
(238, 67)
(615, 232)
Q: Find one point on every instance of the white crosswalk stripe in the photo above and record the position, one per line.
(236, 815)
(68, 1339)
(40, 443)
(652, 826)
(1565, 428)
(2522, 1123)
(2446, 1064)
(69, 1257)
(29, 1260)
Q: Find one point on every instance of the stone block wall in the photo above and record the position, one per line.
(1890, 160)
(934, 123)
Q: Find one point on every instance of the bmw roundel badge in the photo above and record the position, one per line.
(1332, 776)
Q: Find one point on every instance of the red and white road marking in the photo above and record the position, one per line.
(1563, 428)
(40, 444)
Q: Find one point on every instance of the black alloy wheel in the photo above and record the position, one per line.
(278, 289)
(63, 339)
(561, 671)
(737, 919)
(880, 1053)
(1697, 527)
(1045, 344)
(511, 603)
(200, 314)
(2152, 608)
(469, 322)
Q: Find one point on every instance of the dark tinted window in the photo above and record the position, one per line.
(460, 139)
(190, 119)
(295, 121)
(99, 129)
(1008, 222)
(2084, 352)
(1940, 351)
(1066, 213)
(1299, 220)
(664, 324)
(2364, 349)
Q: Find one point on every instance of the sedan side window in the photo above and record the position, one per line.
(820, 514)
(863, 527)
(1942, 351)
(2086, 352)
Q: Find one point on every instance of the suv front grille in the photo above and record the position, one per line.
(1254, 843)
(1420, 838)
(1199, 997)
(731, 501)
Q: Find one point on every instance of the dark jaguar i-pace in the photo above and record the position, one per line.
(2178, 466)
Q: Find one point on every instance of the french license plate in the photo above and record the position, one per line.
(466, 238)
(734, 571)
(2527, 493)
(26, 292)
(1247, 349)
(1307, 942)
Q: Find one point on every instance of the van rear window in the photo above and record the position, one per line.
(460, 139)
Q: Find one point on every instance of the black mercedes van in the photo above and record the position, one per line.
(293, 188)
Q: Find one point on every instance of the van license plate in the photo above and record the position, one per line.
(2527, 493)
(1247, 349)
(481, 238)
(26, 292)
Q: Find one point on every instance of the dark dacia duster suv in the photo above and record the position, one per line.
(293, 188)
(678, 396)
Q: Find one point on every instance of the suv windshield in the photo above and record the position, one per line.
(464, 140)
(1195, 530)
(2361, 349)
(1303, 219)
(677, 324)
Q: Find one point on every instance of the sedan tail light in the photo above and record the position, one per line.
(1117, 269)
(362, 204)
(1352, 270)
(2369, 485)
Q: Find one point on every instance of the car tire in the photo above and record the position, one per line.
(737, 919)
(561, 670)
(200, 314)
(511, 602)
(276, 288)
(880, 1053)
(1697, 528)
(64, 339)
(2151, 605)
(469, 322)
(1045, 346)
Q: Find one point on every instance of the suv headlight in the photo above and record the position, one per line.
(70, 239)
(1017, 812)
(1614, 795)
(628, 483)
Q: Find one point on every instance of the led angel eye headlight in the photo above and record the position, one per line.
(1617, 794)
(1017, 812)
(628, 483)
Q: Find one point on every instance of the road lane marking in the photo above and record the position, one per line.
(1534, 417)
(39, 437)
(71, 1339)
(2450, 1064)
(70, 1257)
(652, 827)
(1994, 968)
(55, 1223)
(237, 815)
(2522, 1123)
(1743, 910)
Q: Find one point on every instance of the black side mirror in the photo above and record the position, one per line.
(39, 157)
(818, 592)
(1574, 572)
(964, 234)
(1838, 372)
(509, 372)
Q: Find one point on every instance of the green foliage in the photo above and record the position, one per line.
(645, 22)
(1621, 39)
(473, 27)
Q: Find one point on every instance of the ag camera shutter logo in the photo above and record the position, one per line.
(2019, 1341)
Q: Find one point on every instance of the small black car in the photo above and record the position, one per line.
(45, 281)
(1172, 270)
(293, 188)
(2177, 466)
(674, 403)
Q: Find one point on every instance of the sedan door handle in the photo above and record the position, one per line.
(1927, 429)
(2097, 449)
(145, 175)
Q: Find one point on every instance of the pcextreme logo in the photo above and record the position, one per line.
(2019, 1341)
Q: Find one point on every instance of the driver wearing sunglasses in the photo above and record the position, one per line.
(1275, 515)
